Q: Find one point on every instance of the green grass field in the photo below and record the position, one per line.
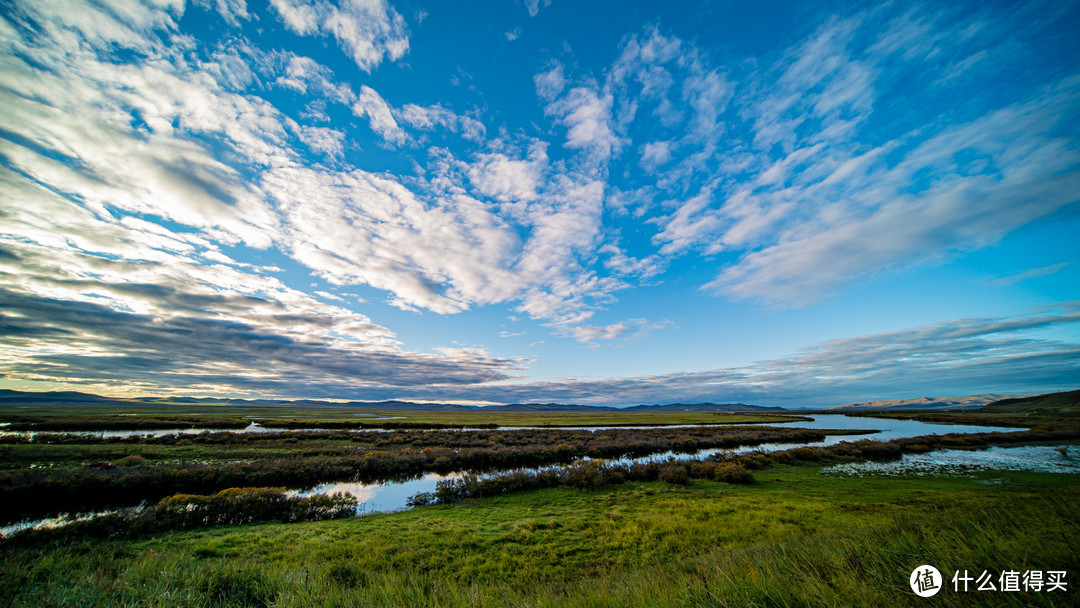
(794, 538)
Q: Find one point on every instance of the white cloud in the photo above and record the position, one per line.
(630, 329)
(325, 140)
(143, 133)
(356, 227)
(534, 6)
(708, 93)
(817, 80)
(619, 262)
(1021, 170)
(587, 115)
(773, 166)
(975, 355)
(688, 225)
(305, 75)
(562, 231)
(367, 30)
(1034, 273)
(429, 117)
(791, 173)
(550, 84)
(655, 153)
(90, 299)
(232, 11)
(511, 181)
(374, 107)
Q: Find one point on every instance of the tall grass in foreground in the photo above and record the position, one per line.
(794, 538)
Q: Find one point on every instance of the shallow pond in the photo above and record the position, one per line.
(1047, 459)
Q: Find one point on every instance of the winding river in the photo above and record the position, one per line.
(393, 495)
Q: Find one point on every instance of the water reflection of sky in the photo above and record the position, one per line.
(1048, 459)
(381, 497)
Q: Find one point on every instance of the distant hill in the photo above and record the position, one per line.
(73, 397)
(1057, 404)
(672, 407)
(61, 398)
(928, 403)
(707, 407)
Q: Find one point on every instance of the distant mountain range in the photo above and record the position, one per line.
(929, 403)
(1059, 403)
(61, 398)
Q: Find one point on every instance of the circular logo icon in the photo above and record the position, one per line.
(925, 581)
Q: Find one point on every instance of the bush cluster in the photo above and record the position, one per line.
(586, 474)
(187, 511)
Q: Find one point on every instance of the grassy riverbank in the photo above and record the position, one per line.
(793, 538)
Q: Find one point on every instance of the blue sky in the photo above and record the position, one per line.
(494, 202)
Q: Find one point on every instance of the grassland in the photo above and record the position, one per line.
(1054, 404)
(794, 538)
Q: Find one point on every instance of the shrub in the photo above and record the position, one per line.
(133, 460)
(702, 469)
(731, 472)
(615, 475)
(247, 505)
(644, 472)
(186, 511)
(782, 457)
(756, 461)
(674, 474)
(420, 499)
(807, 454)
(586, 474)
(874, 450)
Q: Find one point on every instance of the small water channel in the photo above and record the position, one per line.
(393, 495)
